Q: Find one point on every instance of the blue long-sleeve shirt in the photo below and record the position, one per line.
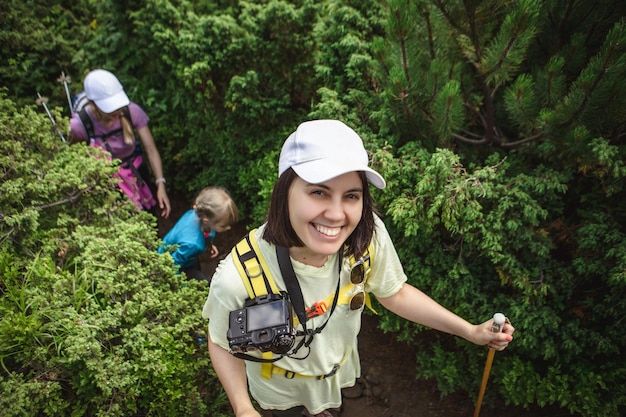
(188, 236)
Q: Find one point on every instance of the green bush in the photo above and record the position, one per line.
(93, 321)
(481, 240)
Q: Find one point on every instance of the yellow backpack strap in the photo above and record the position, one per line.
(267, 367)
(252, 267)
(257, 279)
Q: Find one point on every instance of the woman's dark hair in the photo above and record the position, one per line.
(279, 231)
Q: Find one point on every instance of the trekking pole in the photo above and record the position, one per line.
(65, 80)
(42, 101)
(496, 327)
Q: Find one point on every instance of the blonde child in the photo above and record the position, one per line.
(214, 211)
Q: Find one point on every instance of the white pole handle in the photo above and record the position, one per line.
(498, 322)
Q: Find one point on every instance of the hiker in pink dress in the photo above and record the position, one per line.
(108, 121)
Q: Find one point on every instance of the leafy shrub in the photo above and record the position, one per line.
(94, 321)
(481, 240)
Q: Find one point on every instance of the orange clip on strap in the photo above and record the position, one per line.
(317, 309)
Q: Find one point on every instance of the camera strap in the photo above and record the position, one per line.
(295, 294)
(292, 284)
(247, 357)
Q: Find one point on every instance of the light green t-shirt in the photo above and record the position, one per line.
(336, 344)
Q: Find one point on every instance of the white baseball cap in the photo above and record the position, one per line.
(320, 150)
(105, 90)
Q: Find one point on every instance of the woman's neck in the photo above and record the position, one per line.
(305, 256)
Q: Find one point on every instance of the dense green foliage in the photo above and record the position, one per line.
(500, 127)
(94, 321)
(529, 225)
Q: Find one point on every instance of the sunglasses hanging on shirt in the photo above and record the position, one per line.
(357, 276)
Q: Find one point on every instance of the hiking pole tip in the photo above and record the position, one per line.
(65, 80)
(42, 101)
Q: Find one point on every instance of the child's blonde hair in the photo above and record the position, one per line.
(106, 118)
(216, 204)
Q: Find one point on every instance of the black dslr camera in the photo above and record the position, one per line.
(264, 324)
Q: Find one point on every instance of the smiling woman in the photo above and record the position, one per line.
(322, 216)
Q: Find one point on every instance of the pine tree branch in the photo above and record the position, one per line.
(500, 143)
(497, 137)
(471, 19)
(441, 6)
(429, 30)
(587, 93)
(70, 199)
(468, 133)
(403, 48)
(489, 120)
(508, 145)
(478, 114)
(502, 58)
(8, 234)
(482, 141)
